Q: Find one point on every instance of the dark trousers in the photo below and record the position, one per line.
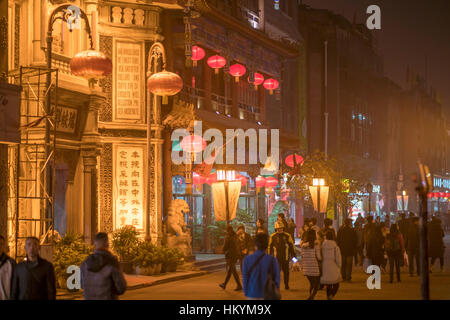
(231, 270)
(394, 261)
(284, 266)
(413, 254)
(314, 284)
(346, 268)
(332, 289)
(441, 260)
(359, 256)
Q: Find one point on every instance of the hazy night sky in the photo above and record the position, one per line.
(410, 31)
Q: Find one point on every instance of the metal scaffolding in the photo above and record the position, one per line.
(31, 163)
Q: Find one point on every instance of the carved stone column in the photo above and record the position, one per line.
(89, 194)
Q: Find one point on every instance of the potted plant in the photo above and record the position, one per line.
(174, 258)
(144, 258)
(158, 260)
(69, 250)
(124, 243)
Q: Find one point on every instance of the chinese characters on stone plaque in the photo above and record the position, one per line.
(129, 187)
(128, 81)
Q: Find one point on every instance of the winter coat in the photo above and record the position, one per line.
(359, 237)
(347, 241)
(310, 259)
(245, 243)
(392, 241)
(281, 246)
(374, 245)
(403, 226)
(435, 240)
(255, 281)
(291, 229)
(101, 278)
(231, 248)
(34, 281)
(413, 238)
(331, 262)
(7, 266)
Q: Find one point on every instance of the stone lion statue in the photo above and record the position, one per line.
(177, 235)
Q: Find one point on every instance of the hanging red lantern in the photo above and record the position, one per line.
(193, 144)
(259, 79)
(91, 64)
(243, 180)
(197, 54)
(237, 70)
(216, 62)
(271, 182)
(198, 179)
(290, 160)
(165, 84)
(212, 178)
(271, 85)
(260, 182)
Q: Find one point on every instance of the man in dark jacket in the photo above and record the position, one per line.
(7, 266)
(245, 243)
(347, 242)
(436, 242)
(101, 278)
(412, 246)
(231, 250)
(281, 246)
(403, 225)
(34, 279)
(327, 226)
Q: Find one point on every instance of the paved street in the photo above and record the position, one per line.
(206, 287)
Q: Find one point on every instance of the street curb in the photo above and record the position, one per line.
(69, 296)
(167, 280)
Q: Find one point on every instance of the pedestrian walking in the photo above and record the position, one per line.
(101, 277)
(245, 244)
(313, 225)
(360, 220)
(291, 228)
(260, 226)
(327, 228)
(395, 248)
(282, 218)
(231, 250)
(436, 243)
(359, 256)
(304, 228)
(412, 244)
(403, 225)
(373, 242)
(281, 246)
(347, 242)
(331, 265)
(257, 269)
(7, 266)
(384, 233)
(311, 256)
(33, 279)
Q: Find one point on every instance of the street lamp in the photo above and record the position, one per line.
(319, 194)
(403, 199)
(225, 177)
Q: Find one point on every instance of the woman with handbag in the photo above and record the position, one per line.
(331, 265)
(310, 262)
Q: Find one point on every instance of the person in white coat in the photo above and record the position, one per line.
(331, 265)
(7, 266)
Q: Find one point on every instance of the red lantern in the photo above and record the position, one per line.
(260, 182)
(212, 178)
(271, 85)
(91, 64)
(197, 54)
(165, 84)
(271, 182)
(243, 180)
(198, 179)
(237, 70)
(259, 79)
(290, 160)
(216, 62)
(430, 195)
(193, 144)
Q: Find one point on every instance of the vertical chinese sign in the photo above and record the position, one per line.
(128, 81)
(129, 189)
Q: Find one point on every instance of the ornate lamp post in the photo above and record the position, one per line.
(225, 177)
(319, 194)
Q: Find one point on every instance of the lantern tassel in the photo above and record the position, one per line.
(165, 100)
(236, 79)
(194, 63)
(216, 71)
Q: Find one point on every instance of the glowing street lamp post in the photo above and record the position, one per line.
(225, 177)
(318, 190)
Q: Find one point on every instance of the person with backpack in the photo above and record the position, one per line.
(232, 254)
(282, 247)
(311, 256)
(261, 272)
(395, 248)
(331, 265)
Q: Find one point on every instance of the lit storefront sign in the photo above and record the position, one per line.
(441, 182)
(129, 187)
